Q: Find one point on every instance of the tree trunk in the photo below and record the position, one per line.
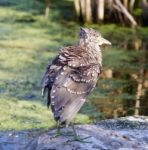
(139, 87)
(100, 10)
(88, 11)
(131, 4)
(108, 73)
(82, 9)
(125, 2)
(77, 7)
(145, 3)
(47, 9)
(121, 8)
(115, 113)
(138, 95)
(145, 12)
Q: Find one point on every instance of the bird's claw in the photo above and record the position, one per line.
(80, 139)
(64, 134)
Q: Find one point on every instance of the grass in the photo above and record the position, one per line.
(26, 46)
(18, 114)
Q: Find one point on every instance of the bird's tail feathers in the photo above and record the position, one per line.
(43, 91)
(45, 82)
(70, 110)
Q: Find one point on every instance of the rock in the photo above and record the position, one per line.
(129, 133)
(17, 140)
(100, 139)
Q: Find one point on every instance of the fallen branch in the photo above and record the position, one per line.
(125, 12)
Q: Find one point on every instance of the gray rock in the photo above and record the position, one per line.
(100, 139)
(129, 133)
(17, 140)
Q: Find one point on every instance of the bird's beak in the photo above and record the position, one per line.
(102, 41)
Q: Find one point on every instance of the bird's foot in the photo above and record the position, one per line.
(65, 134)
(78, 139)
(59, 133)
(68, 133)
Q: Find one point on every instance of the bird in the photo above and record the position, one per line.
(72, 75)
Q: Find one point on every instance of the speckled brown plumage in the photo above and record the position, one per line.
(73, 74)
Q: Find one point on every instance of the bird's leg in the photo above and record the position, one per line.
(74, 131)
(74, 134)
(77, 138)
(59, 133)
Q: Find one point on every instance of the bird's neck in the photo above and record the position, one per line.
(93, 49)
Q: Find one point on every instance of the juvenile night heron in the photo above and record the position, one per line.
(72, 75)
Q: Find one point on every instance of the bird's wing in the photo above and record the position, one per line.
(72, 56)
(49, 77)
(70, 89)
(75, 56)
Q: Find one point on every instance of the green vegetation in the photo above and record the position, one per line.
(26, 46)
(28, 42)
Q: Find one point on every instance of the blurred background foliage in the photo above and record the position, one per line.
(32, 31)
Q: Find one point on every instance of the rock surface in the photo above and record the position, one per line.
(130, 133)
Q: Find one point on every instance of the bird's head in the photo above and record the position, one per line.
(91, 35)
